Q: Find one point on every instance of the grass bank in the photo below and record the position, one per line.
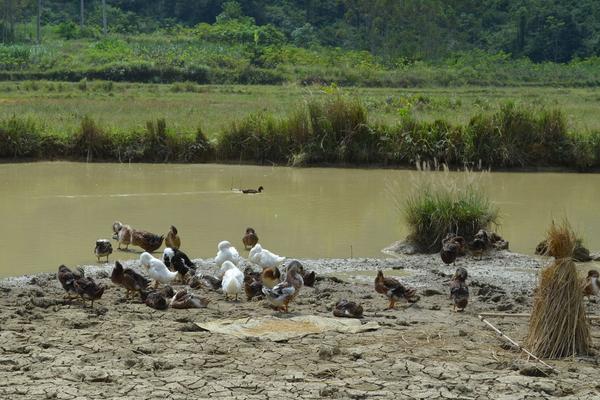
(334, 128)
(363, 127)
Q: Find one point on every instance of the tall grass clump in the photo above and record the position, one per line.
(443, 203)
(19, 137)
(91, 141)
(558, 326)
(518, 137)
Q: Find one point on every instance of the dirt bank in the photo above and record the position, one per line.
(123, 349)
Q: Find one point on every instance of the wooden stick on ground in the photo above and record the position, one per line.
(509, 315)
(499, 332)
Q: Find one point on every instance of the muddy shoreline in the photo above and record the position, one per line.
(123, 349)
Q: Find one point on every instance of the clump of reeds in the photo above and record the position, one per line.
(442, 202)
(558, 326)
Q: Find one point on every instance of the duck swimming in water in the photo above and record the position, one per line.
(253, 191)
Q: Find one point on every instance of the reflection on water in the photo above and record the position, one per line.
(52, 213)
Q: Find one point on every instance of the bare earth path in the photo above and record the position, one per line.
(123, 349)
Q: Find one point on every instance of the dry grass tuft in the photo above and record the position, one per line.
(558, 326)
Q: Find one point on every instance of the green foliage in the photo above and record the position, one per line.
(18, 138)
(441, 204)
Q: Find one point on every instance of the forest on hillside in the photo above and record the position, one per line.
(540, 30)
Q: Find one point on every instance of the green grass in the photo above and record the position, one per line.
(60, 106)
(440, 204)
(181, 122)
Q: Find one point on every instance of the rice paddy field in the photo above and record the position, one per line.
(122, 107)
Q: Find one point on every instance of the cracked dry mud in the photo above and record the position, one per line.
(122, 349)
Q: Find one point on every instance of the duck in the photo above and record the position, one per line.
(172, 240)
(157, 270)
(309, 278)
(452, 247)
(205, 280)
(480, 243)
(459, 291)
(393, 289)
(270, 277)
(226, 252)
(154, 299)
(253, 191)
(178, 261)
(126, 235)
(348, 309)
(233, 280)
(183, 299)
(67, 279)
(103, 249)
(264, 257)
(592, 284)
(283, 293)
(88, 289)
(129, 279)
(252, 283)
(250, 238)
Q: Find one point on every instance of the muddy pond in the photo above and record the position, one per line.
(52, 212)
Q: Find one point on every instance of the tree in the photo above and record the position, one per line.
(104, 28)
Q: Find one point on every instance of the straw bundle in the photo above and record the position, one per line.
(558, 326)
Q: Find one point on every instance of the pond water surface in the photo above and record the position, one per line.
(52, 212)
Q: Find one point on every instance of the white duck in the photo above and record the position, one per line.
(264, 257)
(157, 270)
(226, 252)
(233, 280)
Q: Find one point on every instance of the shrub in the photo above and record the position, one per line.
(440, 204)
(91, 141)
(19, 137)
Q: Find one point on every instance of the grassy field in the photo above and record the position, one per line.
(117, 107)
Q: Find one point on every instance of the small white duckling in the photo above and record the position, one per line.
(233, 280)
(226, 252)
(264, 257)
(157, 270)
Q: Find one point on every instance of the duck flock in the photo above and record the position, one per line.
(278, 280)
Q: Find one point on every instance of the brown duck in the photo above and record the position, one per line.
(250, 238)
(285, 292)
(592, 284)
(87, 289)
(126, 235)
(452, 247)
(129, 279)
(393, 290)
(184, 299)
(252, 283)
(172, 240)
(270, 277)
(459, 292)
(67, 279)
(348, 309)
